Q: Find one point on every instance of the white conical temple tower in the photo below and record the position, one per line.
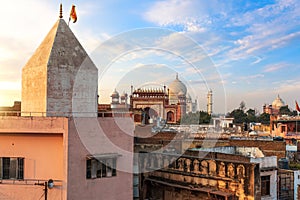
(59, 79)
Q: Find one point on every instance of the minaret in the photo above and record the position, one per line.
(209, 102)
(60, 79)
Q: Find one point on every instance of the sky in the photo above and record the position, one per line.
(242, 50)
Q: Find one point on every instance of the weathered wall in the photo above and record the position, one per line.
(273, 184)
(41, 142)
(161, 192)
(34, 84)
(97, 136)
(29, 192)
(42, 153)
(72, 77)
(296, 183)
(59, 78)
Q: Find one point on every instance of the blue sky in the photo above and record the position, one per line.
(246, 50)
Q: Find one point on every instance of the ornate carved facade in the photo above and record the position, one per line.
(201, 178)
(190, 176)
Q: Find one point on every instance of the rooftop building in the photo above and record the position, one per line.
(59, 148)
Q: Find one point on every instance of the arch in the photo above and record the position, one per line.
(170, 116)
(230, 170)
(212, 167)
(149, 112)
(241, 171)
(222, 169)
(152, 112)
(203, 167)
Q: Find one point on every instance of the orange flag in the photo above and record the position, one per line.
(73, 14)
(297, 107)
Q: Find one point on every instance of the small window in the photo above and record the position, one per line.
(11, 168)
(101, 167)
(265, 185)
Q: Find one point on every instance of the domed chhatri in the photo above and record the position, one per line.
(115, 94)
(278, 103)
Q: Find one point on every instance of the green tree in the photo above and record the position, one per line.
(200, 117)
(284, 110)
(239, 116)
(264, 118)
(251, 116)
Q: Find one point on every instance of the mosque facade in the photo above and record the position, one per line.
(168, 103)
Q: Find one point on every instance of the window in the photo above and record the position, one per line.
(265, 185)
(11, 168)
(101, 167)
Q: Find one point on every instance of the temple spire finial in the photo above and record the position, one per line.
(60, 11)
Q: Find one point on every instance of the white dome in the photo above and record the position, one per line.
(115, 94)
(278, 102)
(177, 86)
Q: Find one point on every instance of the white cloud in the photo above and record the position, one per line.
(251, 77)
(191, 15)
(275, 67)
(266, 28)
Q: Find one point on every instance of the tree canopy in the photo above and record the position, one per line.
(251, 115)
(200, 117)
(284, 110)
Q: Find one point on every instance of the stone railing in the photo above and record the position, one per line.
(65, 114)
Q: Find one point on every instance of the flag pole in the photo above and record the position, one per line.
(297, 122)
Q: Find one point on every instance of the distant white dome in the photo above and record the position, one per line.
(278, 103)
(115, 94)
(177, 86)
